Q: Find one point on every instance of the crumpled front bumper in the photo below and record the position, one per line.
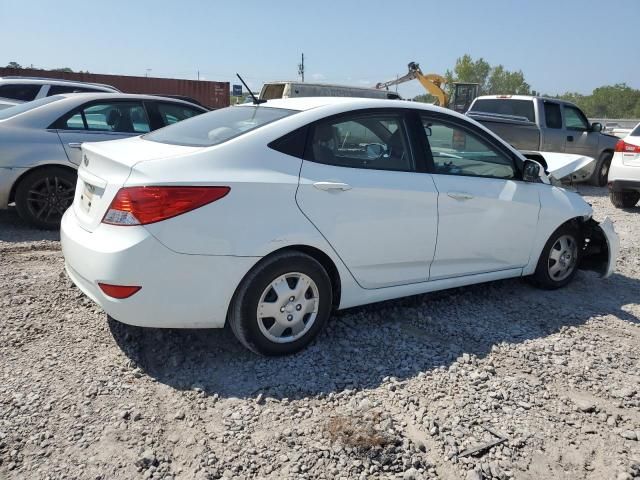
(613, 244)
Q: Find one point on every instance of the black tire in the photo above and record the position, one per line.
(601, 173)
(542, 277)
(624, 199)
(42, 196)
(243, 312)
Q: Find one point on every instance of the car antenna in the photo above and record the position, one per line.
(256, 100)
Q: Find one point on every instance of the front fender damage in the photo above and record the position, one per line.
(601, 246)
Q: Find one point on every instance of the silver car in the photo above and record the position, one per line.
(40, 144)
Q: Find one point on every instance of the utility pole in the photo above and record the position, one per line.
(301, 68)
(147, 74)
(198, 74)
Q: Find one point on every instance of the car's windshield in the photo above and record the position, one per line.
(218, 126)
(25, 107)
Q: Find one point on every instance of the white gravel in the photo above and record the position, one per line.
(405, 389)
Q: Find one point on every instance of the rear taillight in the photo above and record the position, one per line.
(625, 147)
(144, 205)
(118, 291)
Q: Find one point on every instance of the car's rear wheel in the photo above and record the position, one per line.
(282, 304)
(43, 195)
(624, 199)
(601, 173)
(558, 263)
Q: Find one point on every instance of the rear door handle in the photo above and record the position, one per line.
(326, 186)
(460, 195)
(75, 145)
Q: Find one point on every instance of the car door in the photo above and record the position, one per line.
(553, 134)
(359, 187)
(99, 121)
(580, 139)
(487, 216)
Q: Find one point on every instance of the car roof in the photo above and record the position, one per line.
(87, 96)
(51, 81)
(308, 103)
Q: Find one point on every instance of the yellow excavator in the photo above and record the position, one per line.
(463, 93)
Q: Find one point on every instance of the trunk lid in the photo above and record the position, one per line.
(104, 169)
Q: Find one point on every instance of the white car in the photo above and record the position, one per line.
(270, 216)
(17, 90)
(624, 176)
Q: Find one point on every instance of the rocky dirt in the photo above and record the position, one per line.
(498, 380)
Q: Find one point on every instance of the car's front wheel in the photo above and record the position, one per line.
(559, 260)
(282, 304)
(43, 195)
(624, 199)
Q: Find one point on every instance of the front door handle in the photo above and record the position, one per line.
(326, 186)
(460, 195)
(75, 145)
(569, 138)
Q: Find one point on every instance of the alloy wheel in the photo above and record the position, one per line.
(49, 197)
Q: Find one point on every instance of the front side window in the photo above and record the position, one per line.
(365, 141)
(574, 119)
(122, 117)
(553, 118)
(457, 151)
(173, 113)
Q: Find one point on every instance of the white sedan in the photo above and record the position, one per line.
(624, 175)
(271, 216)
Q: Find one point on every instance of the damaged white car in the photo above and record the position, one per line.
(271, 215)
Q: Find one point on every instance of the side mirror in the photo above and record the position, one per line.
(531, 171)
(596, 127)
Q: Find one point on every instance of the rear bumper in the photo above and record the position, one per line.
(624, 185)
(178, 290)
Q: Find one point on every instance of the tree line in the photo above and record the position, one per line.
(607, 101)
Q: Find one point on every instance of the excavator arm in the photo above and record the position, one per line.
(431, 82)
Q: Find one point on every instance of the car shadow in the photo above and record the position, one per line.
(585, 189)
(361, 346)
(15, 229)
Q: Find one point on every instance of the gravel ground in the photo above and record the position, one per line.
(408, 389)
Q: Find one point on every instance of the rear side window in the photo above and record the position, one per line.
(58, 89)
(22, 92)
(124, 117)
(215, 127)
(636, 131)
(373, 141)
(505, 106)
(171, 113)
(553, 118)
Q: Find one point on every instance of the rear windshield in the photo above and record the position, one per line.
(636, 131)
(503, 106)
(218, 126)
(25, 107)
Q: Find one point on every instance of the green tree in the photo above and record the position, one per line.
(492, 80)
(608, 101)
(13, 65)
(63, 69)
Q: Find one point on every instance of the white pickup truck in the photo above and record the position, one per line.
(547, 125)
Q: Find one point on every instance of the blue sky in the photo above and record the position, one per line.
(560, 45)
